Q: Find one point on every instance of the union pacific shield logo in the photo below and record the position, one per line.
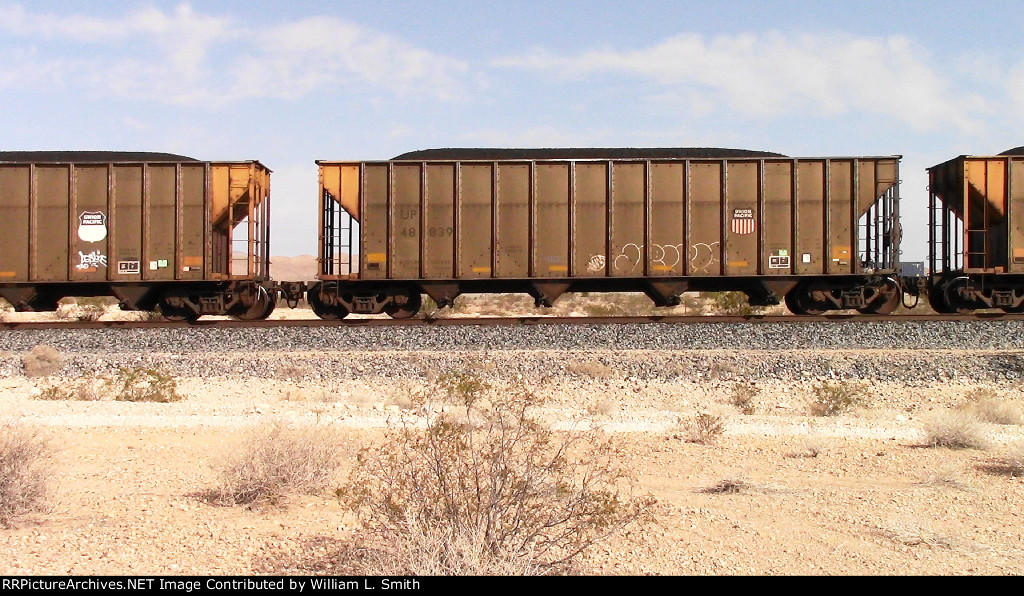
(743, 221)
(92, 226)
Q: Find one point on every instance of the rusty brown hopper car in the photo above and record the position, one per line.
(152, 229)
(976, 226)
(818, 232)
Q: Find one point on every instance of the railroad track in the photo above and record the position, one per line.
(508, 321)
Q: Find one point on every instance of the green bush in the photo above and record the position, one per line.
(832, 399)
(145, 384)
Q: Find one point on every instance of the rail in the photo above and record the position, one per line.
(520, 320)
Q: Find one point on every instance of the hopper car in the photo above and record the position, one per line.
(818, 233)
(976, 233)
(154, 230)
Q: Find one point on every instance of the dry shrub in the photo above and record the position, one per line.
(42, 361)
(986, 404)
(143, 384)
(602, 408)
(84, 389)
(812, 447)
(25, 472)
(832, 399)
(704, 428)
(592, 369)
(744, 397)
(138, 384)
(276, 462)
(1011, 465)
(954, 428)
(485, 489)
(728, 486)
(292, 372)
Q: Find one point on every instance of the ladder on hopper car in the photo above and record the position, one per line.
(338, 234)
(945, 233)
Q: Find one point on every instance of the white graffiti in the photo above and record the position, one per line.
(91, 260)
(596, 263)
(667, 256)
(703, 256)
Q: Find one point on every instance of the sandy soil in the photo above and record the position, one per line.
(853, 494)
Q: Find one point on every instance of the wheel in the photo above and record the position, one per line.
(326, 312)
(260, 309)
(174, 313)
(413, 302)
(793, 304)
(938, 302)
(800, 302)
(951, 295)
(887, 302)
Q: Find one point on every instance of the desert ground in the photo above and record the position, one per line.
(778, 491)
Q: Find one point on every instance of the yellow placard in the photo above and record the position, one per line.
(376, 257)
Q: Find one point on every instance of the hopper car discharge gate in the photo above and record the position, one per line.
(153, 230)
(817, 233)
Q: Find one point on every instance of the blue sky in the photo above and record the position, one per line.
(291, 82)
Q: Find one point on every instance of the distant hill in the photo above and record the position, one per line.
(300, 268)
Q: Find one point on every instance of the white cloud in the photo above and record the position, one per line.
(771, 74)
(186, 57)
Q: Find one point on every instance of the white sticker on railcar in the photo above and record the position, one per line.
(152, 266)
(162, 263)
(92, 226)
(129, 267)
(806, 257)
(778, 262)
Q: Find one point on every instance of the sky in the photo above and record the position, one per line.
(288, 83)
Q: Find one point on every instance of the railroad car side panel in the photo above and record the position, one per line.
(668, 246)
(14, 213)
(90, 254)
(1015, 190)
(405, 212)
(374, 224)
(126, 252)
(628, 185)
(190, 251)
(51, 223)
(439, 239)
(159, 220)
(985, 226)
(705, 218)
(839, 202)
(512, 245)
(777, 229)
(810, 201)
(551, 229)
(474, 242)
(742, 215)
(590, 225)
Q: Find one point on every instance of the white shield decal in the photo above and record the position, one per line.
(92, 226)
